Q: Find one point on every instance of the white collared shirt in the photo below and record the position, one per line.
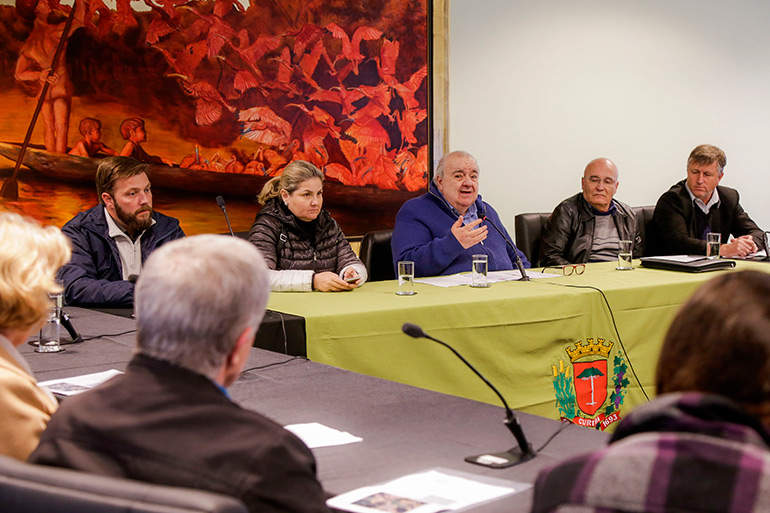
(705, 207)
(130, 250)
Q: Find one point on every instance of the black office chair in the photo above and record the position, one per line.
(26, 488)
(528, 234)
(376, 255)
(646, 229)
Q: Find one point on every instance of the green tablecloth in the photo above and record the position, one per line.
(515, 333)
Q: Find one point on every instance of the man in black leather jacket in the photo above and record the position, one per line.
(587, 227)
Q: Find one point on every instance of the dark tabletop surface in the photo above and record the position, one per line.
(404, 429)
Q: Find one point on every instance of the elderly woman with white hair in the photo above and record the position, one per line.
(30, 255)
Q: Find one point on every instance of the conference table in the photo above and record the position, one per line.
(521, 335)
(405, 429)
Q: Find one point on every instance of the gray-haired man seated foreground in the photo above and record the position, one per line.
(168, 419)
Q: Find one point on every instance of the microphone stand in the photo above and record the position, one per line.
(519, 264)
(513, 456)
(221, 203)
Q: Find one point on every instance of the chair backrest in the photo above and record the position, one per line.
(528, 230)
(376, 255)
(27, 488)
(646, 229)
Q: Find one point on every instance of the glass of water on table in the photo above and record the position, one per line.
(625, 254)
(406, 279)
(713, 242)
(49, 339)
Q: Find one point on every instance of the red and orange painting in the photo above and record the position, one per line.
(219, 95)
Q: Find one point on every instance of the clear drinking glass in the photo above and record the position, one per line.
(479, 268)
(713, 242)
(406, 279)
(49, 339)
(625, 254)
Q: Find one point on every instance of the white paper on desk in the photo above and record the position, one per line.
(429, 491)
(678, 258)
(454, 280)
(317, 435)
(78, 384)
(759, 254)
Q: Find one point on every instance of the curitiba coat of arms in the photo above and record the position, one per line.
(582, 391)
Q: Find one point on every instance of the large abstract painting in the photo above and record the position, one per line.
(220, 95)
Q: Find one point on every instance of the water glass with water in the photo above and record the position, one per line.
(405, 279)
(49, 339)
(625, 254)
(479, 268)
(713, 243)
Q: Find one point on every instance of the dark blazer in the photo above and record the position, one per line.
(674, 221)
(94, 275)
(568, 235)
(164, 424)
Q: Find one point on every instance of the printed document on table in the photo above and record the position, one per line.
(316, 435)
(454, 280)
(429, 491)
(679, 258)
(78, 384)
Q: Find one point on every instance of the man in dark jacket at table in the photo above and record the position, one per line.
(587, 227)
(699, 205)
(169, 419)
(111, 241)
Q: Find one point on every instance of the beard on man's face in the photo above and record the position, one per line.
(131, 220)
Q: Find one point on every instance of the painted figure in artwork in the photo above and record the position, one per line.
(133, 131)
(91, 143)
(34, 64)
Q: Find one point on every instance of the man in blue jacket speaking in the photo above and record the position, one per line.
(111, 241)
(441, 230)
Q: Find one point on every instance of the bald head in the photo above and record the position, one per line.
(600, 183)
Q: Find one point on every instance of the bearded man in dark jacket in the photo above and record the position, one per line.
(111, 241)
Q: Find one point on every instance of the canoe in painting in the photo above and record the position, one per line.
(76, 169)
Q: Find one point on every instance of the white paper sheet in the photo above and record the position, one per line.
(454, 280)
(429, 491)
(679, 258)
(317, 435)
(78, 384)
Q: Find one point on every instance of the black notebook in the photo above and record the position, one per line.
(687, 263)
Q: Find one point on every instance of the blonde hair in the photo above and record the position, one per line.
(30, 255)
(293, 175)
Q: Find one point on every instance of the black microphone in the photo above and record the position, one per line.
(221, 203)
(65, 321)
(519, 264)
(505, 459)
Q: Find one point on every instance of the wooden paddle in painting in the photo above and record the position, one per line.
(10, 189)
